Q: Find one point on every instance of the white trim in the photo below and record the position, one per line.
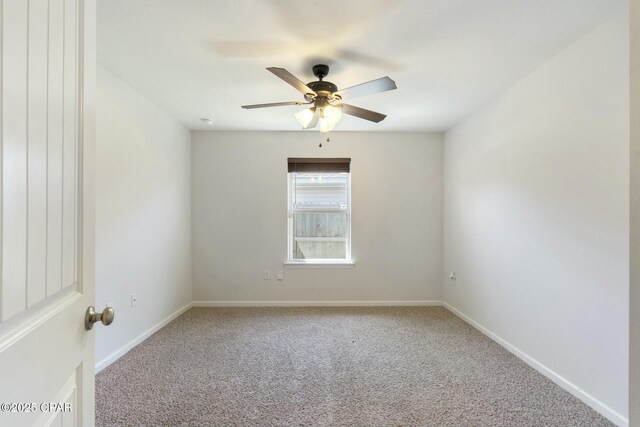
(291, 210)
(317, 209)
(320, 239)
(313, 303)
(603, 409)
(37, 318)
(318, 264)
(143, 336)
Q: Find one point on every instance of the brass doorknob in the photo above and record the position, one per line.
(91, 317)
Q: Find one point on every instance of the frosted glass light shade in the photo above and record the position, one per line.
(325, 124)
(329, 118)
(333, 113)
(304, 117)
(326, 118)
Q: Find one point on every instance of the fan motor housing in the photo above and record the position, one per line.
(324, 90)
(321, 86)
(320, 71)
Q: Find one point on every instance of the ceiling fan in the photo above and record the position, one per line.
(327, 102)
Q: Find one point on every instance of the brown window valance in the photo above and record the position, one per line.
(328, 165)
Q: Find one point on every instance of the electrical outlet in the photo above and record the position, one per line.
(134, 300)
(280, 275)
(267, 275)
(452, 275)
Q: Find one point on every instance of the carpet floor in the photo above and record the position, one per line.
(366, 366)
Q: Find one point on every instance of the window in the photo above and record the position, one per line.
(319, 211)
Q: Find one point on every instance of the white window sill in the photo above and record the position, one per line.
(319, 264)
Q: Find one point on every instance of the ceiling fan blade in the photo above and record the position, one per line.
(274, 104)
(372, 116)
(291, 79)
(382, 84)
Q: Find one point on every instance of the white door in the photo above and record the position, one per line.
(46, 212)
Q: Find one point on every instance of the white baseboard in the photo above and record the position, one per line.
(314, 303)
(606, 411)
(143, 336)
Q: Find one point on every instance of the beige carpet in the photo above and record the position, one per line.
(413, 366)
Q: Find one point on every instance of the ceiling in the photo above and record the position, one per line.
(206, 58)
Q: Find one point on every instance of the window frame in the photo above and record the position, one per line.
(317, 262)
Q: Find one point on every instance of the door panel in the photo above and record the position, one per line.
(67, 397)
(37, 365)
(47, 57)
(14, 157)
(40, 133)
(69, 133)
(37, 153)
(54, 147)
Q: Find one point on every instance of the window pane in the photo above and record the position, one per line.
(319, 190)
(319, 235)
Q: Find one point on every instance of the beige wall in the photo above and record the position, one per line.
(536, 206)
(143, 213)
(634, 401)
(240, 217)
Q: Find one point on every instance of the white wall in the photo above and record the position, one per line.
(634, 398)
(240, 217)
(143, 213)
(536, 207)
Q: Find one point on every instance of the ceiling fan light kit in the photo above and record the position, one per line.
(327, 107)
(305, 117)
